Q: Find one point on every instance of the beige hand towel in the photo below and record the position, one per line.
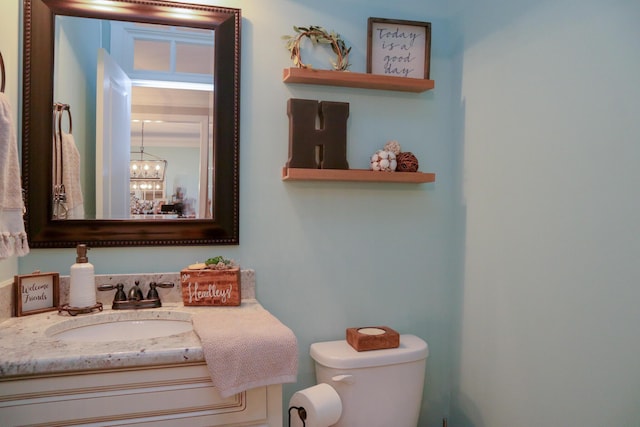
(71, 177)
(246, 348)
(13, 238)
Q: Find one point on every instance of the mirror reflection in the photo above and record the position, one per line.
(106, 219)
(133, 121)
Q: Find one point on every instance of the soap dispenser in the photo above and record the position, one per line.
(82, 287)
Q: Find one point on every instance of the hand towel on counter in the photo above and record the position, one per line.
(13, 238)
(246, 347)
(71, 177)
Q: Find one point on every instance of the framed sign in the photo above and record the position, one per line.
(398, 48)
(36, 293)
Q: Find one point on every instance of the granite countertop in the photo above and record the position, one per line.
(27, 349)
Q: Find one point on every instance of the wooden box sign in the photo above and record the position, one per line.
(210, 287)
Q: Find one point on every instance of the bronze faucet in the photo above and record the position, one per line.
(135, 299)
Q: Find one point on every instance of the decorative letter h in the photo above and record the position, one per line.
(322, 148)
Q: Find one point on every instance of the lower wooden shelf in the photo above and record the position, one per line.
(357, 175)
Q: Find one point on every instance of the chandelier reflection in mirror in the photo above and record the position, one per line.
(146, 167)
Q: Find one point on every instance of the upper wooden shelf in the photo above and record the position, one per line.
(359, 80)
(358, 175)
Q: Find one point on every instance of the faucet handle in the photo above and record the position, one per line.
(153, 292)
(120, 295)
(164, 284)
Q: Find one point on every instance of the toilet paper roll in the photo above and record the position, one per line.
(322, 404)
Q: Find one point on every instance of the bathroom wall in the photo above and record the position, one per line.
(547, 140)
(329, 256)
(518, 265)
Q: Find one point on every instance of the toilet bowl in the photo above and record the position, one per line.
(377, 388)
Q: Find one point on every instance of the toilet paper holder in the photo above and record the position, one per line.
(319, 405)
(302, 413)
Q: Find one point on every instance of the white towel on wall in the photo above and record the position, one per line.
(13, 239)
(71, 177)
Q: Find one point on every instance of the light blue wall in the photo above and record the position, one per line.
(329, 256)
(548, 142)
(518, 266)
(183, 161)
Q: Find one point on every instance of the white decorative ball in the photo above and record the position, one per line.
(383, 161)
(392, 146)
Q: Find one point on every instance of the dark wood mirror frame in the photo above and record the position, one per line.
(37, 125)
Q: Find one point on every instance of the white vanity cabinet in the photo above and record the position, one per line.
(168, 395)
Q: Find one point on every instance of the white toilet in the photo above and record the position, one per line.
(378, 388)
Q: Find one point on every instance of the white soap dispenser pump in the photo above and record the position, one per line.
(82, 287)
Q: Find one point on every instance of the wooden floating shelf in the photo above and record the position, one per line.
(357, 175)
(359, 80)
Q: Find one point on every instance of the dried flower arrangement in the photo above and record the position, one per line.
(318, 35)
(215, 263)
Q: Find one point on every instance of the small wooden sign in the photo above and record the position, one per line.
(211, 287)
(398, 48)
(36, 293)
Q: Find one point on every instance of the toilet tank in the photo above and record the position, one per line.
(378, 388)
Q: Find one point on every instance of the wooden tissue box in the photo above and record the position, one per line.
(211, 287)
(373, 338)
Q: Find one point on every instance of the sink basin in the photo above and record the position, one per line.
(120, 327)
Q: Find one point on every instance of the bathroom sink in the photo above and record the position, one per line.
(120, 327)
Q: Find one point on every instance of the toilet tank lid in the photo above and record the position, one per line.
(340, 355)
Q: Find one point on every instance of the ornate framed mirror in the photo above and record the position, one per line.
(218, 224)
